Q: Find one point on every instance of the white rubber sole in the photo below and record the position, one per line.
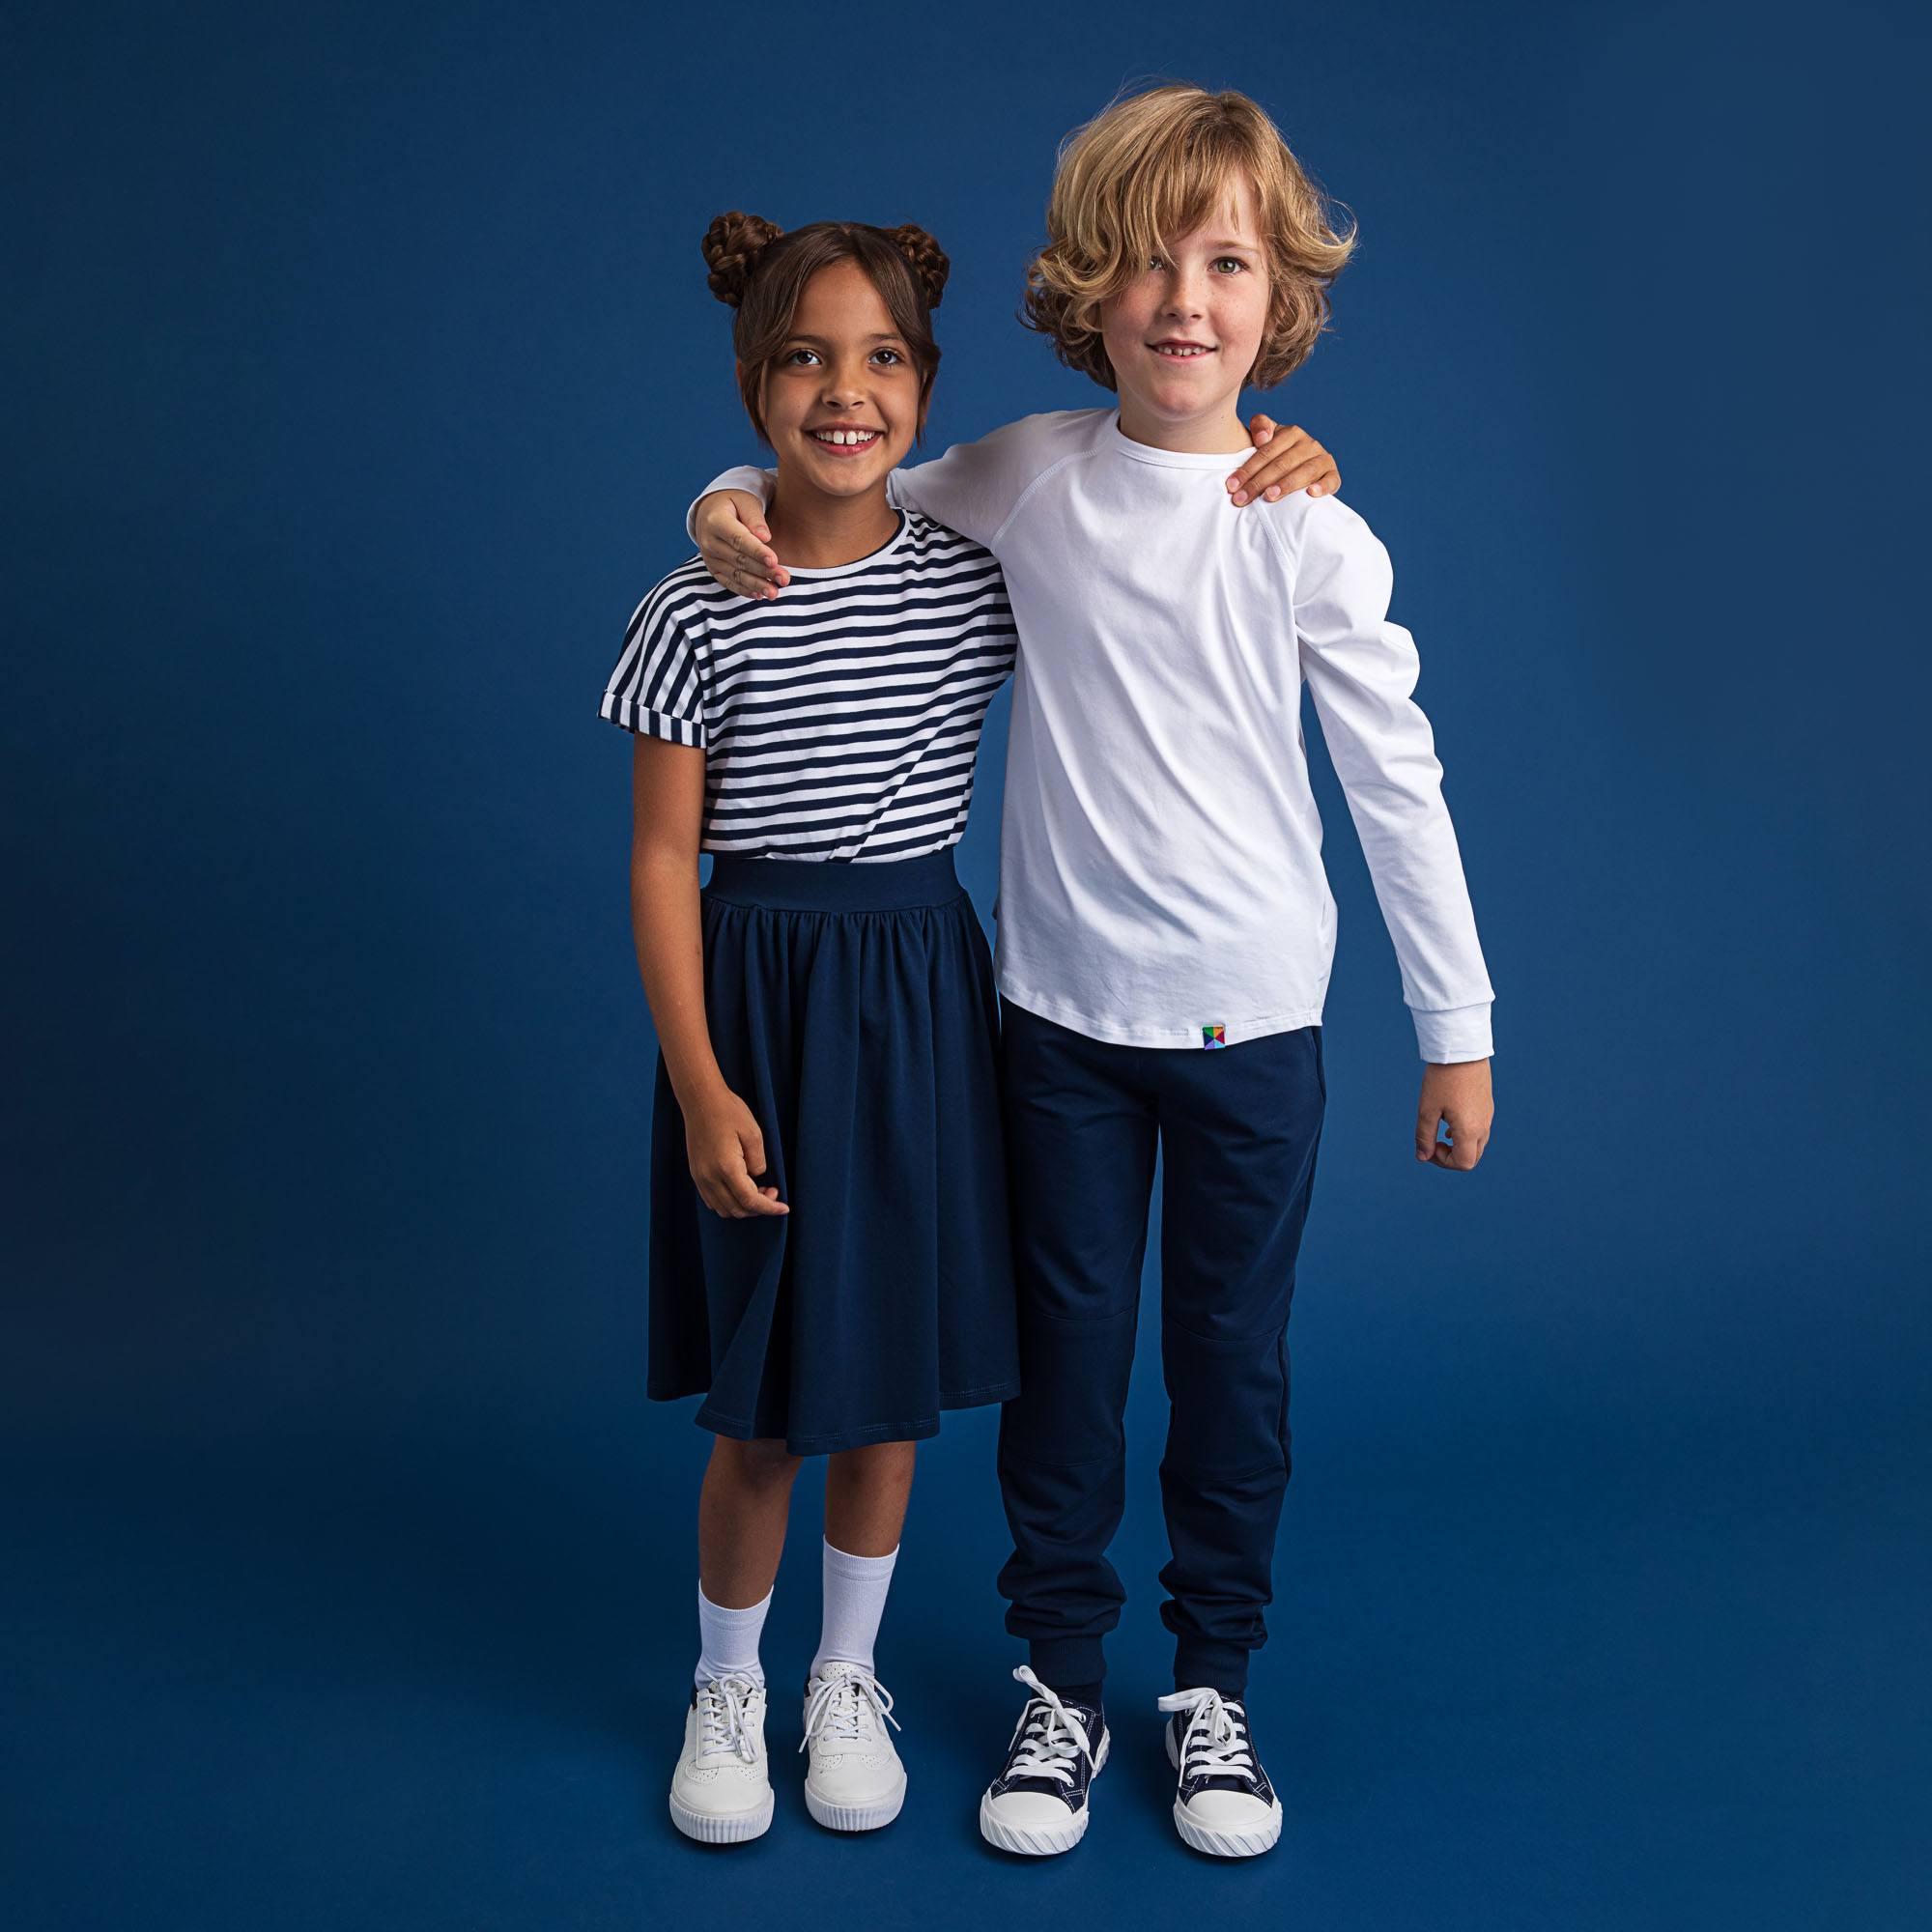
(855, 1817)
(733, 1828)
(1222, 1843)
(1041, 1842)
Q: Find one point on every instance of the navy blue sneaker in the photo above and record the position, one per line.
(1038, 1805)
(1224, 1805)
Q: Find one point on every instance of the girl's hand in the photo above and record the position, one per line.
(736, 546)
(1457, 1094)
(726, 1152)
(1285, 460)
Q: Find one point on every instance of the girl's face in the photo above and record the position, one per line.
(841, 398)
(1184, 336)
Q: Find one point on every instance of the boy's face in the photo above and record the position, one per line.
(843, 366)
(1184, 336)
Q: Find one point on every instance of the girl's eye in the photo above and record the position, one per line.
(894, 354)
(1231, 262)
(793, 354)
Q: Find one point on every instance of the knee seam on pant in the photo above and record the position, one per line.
(1276, 1468)
(1224, 1340)
(1007, 1459)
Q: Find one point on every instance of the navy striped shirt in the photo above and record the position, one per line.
(841, 718)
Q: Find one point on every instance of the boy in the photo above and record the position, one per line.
(1165, 926)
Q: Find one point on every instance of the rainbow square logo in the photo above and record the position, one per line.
(1213, 1036)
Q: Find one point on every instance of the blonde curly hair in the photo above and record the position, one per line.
(1156, 165)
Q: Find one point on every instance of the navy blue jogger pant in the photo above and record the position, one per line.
(1237, 1128)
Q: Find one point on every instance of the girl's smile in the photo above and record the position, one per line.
(841, 398)
(845, 439)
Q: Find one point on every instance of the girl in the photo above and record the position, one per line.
(828, 1240)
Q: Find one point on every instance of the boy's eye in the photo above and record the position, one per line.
(1231, 262)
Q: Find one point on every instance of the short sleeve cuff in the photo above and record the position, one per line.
(630, 716)
(1454, 1032)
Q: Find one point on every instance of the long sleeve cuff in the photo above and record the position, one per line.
(1454, 1032)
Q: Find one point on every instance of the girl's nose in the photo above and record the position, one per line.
(843, 385)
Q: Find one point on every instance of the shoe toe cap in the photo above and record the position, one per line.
(1229, 1812)
(1030, 1810)
(854, 1777)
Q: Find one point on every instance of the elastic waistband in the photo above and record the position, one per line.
(835, 885)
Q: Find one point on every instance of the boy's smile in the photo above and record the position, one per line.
(1183, 334)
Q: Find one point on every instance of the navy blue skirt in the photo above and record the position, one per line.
(852, 1009)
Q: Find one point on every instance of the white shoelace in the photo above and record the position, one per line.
(722, 1705)
(846, 1706)
(1056, 1739)
(1215, 1742)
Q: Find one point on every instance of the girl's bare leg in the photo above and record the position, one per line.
(741, 1520)
(866, 1495)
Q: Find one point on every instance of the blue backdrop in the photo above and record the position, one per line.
(363, 364)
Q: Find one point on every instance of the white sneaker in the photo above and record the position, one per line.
(853, 1778)
(721, 1793)
(1224, 1803)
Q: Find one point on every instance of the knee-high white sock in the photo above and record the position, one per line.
(855, 1599)
(729, 1641)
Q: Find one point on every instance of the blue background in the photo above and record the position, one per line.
(363, 365)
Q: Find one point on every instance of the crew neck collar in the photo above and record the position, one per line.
(886, 548)
(1227, 461)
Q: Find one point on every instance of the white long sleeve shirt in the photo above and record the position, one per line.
(1160, 854)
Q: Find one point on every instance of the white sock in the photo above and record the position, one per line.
(729, 1641)
(855, 1599)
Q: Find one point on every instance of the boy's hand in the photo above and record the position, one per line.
(1285, 460)
(726, 1152)
(1457, 1095)
(735, 544)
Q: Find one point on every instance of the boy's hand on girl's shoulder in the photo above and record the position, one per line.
(1456, 1096)
(736, 544)
(726, 1152)
(1285, 460)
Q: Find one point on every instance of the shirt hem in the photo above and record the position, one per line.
(1255, 1027)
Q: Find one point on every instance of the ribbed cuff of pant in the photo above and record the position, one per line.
(1066, 1660)
(1198, 1662)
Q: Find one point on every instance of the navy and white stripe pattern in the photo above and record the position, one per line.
(841, 719)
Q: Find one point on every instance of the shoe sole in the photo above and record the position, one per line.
(1221, 1844)
(734, 1828)
(1041, 1842)
(855, 1817)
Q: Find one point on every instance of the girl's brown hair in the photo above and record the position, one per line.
(1156, 166)
(761, 271)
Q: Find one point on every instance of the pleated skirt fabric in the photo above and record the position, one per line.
(852, 1009)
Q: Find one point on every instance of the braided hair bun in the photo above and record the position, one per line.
(733, 246)
(930, 262)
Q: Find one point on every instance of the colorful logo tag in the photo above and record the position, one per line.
(1213, 1036)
